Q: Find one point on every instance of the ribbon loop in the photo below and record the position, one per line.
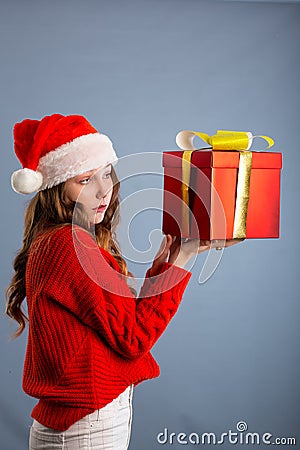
(266, 138)
(185, 138)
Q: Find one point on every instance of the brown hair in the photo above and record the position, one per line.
(49, 210)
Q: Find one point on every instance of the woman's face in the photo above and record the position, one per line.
(92, 190)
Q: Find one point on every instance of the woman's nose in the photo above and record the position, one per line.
(101, 194)
(102, 189)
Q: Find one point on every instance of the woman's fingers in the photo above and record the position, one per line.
(162, 254)
(174, 249)
(203, 248)
(172, 246)
(206, 245)
(159, 258)
(230, 242)
(164, 248)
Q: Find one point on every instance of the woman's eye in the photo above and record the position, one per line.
(84, 181)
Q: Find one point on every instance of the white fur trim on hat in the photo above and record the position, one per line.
(84, 153)
(26, 181)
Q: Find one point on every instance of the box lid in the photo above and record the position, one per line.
(225, 159)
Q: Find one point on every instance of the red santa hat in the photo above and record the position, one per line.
(56, 148)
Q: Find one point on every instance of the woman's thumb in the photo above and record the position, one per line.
(168, 240)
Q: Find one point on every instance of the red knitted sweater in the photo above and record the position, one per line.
(89, 337)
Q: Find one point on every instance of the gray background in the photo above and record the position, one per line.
(141, 71)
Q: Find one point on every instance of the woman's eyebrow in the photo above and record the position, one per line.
(105, 167)
(94, 171)
(85, 174)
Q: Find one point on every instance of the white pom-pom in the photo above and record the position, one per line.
(26, 181)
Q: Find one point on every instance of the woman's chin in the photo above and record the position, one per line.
(97, 218)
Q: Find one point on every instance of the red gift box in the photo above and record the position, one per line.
(212, 193)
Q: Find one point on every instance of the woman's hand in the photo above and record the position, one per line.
(178, 252)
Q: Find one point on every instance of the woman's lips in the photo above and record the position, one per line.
(100, 208)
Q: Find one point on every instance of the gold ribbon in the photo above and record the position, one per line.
(186, 174)
(240, 141)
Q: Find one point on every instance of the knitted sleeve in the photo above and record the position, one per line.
(71, 270)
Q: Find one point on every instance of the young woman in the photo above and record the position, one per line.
(90, 335)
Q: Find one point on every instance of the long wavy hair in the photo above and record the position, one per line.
(49, 210)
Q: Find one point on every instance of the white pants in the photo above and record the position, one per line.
(106, 428)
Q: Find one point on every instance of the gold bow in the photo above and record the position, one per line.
(240, 141)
